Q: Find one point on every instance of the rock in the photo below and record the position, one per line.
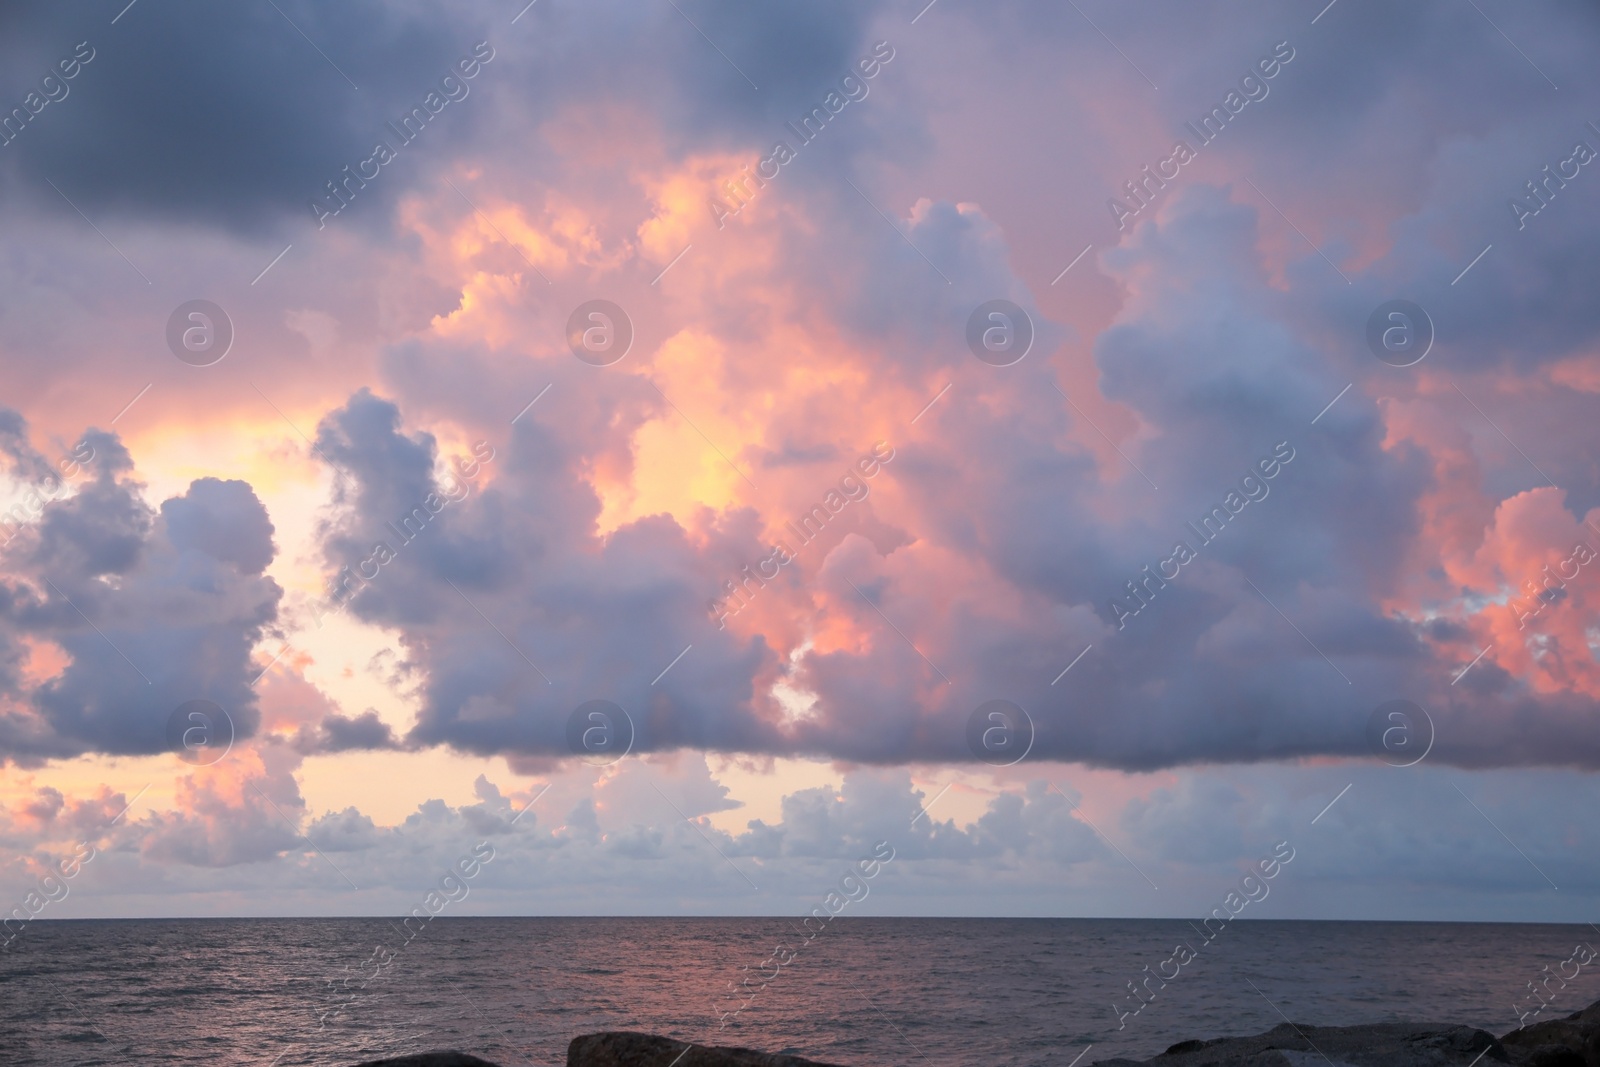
(1573, 1041)
(1552, 1056)
(431, 1059)
(1371, 1045)
(623, 1048)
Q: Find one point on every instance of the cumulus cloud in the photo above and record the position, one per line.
(148, 609)
(1208, 355)
(609, 511)
(1403, 845)
(336, 733)
(240, 117)
(515, 612)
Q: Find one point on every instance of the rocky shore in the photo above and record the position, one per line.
(624, 1048)
(1572, 1041)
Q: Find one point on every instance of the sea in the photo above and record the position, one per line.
(871, 992)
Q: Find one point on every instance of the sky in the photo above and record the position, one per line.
(1084, 446)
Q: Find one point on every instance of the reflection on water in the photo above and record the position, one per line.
(869, 992)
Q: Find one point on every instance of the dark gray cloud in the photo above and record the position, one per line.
(565, 616)
(221, 520)
(153, 609)
(337, 733)
(1396, 845)
(1214, 356)
(236, 116)
(1211, 356)
(224, 115)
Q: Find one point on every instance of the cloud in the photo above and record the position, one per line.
(1420, 848)
(221, 520)
(1019, 522)
(990, 576)
(618, 604)
(174, 120)
(335, 733)
(149, 610)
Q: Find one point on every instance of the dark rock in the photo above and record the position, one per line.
(1552, 1056)
(622, 1048)
(431, 1059)
(1371, 1045)
(1573, 1040)
(1191, 1045)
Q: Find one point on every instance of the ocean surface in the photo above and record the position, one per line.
(264, 992)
